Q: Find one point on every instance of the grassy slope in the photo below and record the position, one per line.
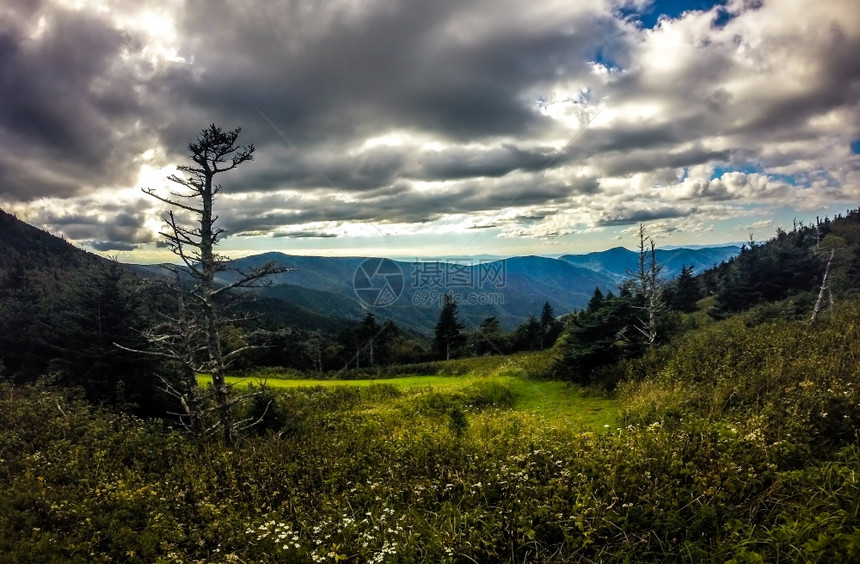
(741, 444)
(551, 400)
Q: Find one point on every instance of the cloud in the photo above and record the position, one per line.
(430, 114)
(626, 216)
(112, 246)
(305, 235)
(71, 105)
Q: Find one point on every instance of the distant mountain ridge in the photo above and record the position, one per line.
(618, 262)
(325, 286)
(509, 289)
(319, 292)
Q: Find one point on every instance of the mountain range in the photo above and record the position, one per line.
(410, 293)
(328, 293)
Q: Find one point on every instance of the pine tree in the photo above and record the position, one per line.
(684, 292)
(487, 339)
(550, 326)
(448, 335)
(529, 336)
(596, 301)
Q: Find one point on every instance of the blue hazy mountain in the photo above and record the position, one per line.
(410, 293)
(617, 263)
(320, 292)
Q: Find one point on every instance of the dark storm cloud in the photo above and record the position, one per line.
(112, 246)
(118, 231)
(306, 235)
(380, 167)
(84, 94)
(463, 163)
(623, 164)
(400, 203)
(325, 74)
(69, 106)
(623, 216)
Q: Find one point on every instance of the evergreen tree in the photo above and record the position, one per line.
(597, 339)
(596, 301)
(770, 271)
(448, 335)
(368, 334)
(488, 338)
(550, 326)
(684, 292)
(529, 336)
(25, 326)
(103, 309)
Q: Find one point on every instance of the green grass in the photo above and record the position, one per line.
(402, 383)
(564, 403)
(555, 401)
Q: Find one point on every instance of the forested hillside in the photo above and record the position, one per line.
(61, 310)
(812, 267)
(739, 442)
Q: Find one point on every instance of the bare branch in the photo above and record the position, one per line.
(151, 192)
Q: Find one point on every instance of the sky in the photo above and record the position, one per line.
(411, 128)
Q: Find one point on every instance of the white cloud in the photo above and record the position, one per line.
(429, 117)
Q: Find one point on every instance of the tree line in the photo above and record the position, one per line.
(812, 266)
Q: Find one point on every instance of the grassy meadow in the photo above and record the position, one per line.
(516, 376)
(737, 443)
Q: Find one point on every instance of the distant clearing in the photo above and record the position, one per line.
(555, 401)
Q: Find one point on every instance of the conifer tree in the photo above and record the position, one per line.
(448, 334)
(684, 292)
(550, 326)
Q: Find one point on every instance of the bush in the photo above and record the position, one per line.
(739, 444)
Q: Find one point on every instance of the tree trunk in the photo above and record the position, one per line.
(824, 288)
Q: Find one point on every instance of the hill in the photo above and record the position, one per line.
(617, 263)
(509, 289)
(27, 247)
(737, 444)
(61, 310)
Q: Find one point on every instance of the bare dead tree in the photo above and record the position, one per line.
(650, 287)
(824, 288)
(825, 280)
(192, 339)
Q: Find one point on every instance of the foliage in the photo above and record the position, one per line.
(739, 444)
(550, 326)
(684, 292)
(791, 262)
(598, 337)
(64, 324)
(448, 335)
